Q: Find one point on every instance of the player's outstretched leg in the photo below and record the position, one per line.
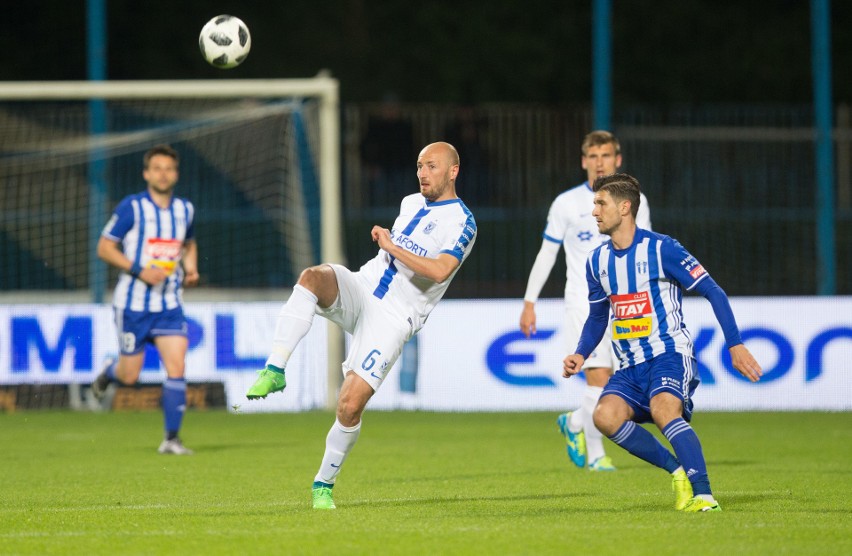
(575, 442)
(269, 380)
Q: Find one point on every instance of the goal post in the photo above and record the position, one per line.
(271, 146)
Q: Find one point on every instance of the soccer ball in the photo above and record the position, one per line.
(224, 41)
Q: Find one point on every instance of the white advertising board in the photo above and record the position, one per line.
(472, 357)
(228, 342)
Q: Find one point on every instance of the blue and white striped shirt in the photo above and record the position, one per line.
(151, 236)
(644, 287)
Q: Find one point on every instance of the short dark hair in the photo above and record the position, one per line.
(621, 187)
(164, 150)
(599, 138)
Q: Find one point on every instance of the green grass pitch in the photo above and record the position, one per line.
(416, 483)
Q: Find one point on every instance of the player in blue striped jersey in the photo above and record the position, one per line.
(382, 306)
(636, 281)
(570, 225)
(150, 238)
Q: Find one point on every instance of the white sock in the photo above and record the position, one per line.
(594, 438)
(294, 321)
(338, 443)
(577, 420)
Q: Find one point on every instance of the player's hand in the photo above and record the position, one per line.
(153, 275)
(382, 237)
(190, 277)
(745, 362)
(528, 319)
(572, 364)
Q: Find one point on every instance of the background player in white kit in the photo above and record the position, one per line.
(150, 238)
(570, 224)
(382, 305)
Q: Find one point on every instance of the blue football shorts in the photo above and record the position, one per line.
(138, 328)
(674, 373)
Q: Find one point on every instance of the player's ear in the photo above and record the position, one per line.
(454, 171)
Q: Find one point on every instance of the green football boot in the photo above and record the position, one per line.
(603, 463)
(321, 493)
(269, 380)
(682, 489)
(698, 504)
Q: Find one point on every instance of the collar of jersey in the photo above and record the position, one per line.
(637, 237)
(153, 202)
(439, 203)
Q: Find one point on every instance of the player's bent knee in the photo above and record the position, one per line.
(349, 413)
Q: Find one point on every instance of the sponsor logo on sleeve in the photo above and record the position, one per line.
(696, 272)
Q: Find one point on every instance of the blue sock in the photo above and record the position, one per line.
(688, 449)
(174, 404)
(644, 445)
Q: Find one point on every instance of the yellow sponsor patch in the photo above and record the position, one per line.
(167, 266)
(631, 328)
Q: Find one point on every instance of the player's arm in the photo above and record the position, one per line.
(437, 269)
(741, 358)
(538, 276)
(110, 252)
(189, 260)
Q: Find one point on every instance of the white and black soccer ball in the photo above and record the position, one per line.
(224, 41)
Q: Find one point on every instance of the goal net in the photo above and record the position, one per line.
(259, 159)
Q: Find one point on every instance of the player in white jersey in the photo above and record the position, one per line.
(150, 238)
(382, 305)
(641, 276)
(570, 224)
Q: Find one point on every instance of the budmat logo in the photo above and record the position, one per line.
(631, 328)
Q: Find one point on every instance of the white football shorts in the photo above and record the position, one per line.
(378, 333)
(603, 355)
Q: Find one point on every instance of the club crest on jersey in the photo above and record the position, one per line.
(630, 305)
(429, 227)
(642, 267)
(585, 235)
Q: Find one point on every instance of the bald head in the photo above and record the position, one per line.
(442, 149)
(437, 168)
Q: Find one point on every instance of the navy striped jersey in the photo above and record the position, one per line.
(644, 286)
(151, 236)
